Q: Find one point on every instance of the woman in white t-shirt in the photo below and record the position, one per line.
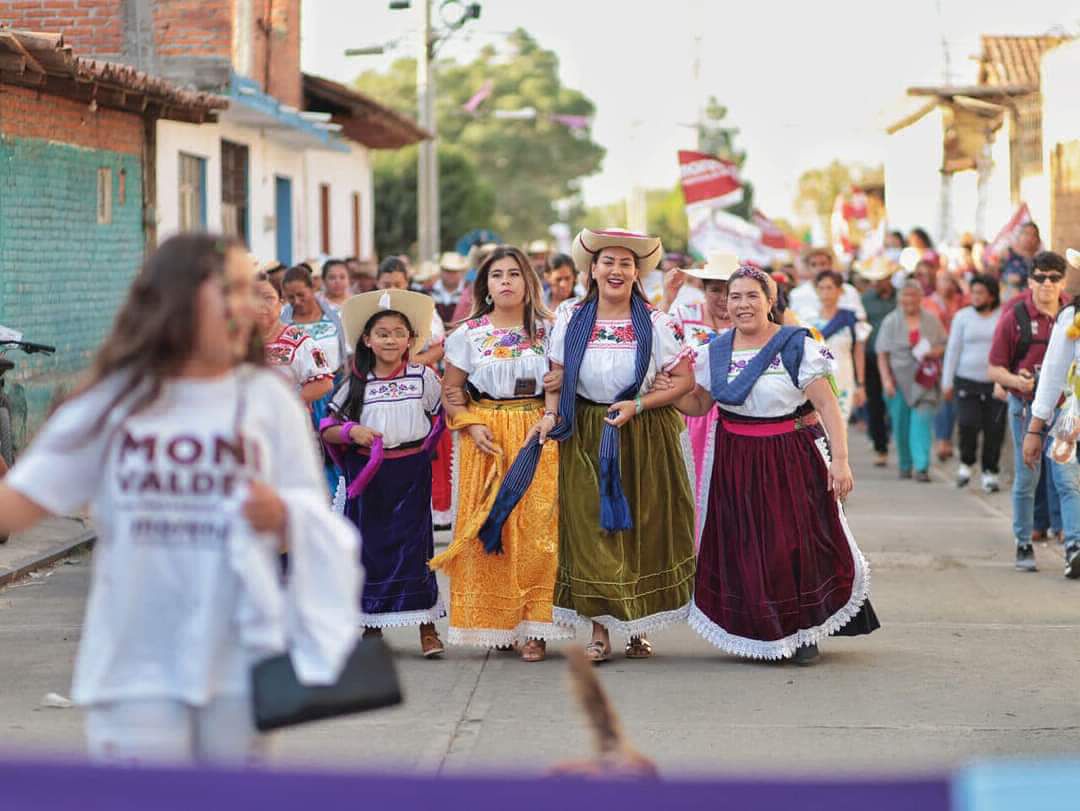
(199, 469)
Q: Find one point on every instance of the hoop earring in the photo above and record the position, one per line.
(488, 300)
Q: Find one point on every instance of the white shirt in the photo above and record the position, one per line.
(803, 299)
(494, 358)
(967, 354)
(697, 332)
(611, 354)
(841, 346)
(399, 407)
(1061, 353)
(297, 358)
(168, 613)
(324, 333)
(773, 395)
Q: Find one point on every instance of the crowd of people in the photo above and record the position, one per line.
(606, 432)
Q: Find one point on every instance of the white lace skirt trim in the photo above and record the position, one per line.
(645, 625)
(400, 619)
(498, 638)
(445, 518)
(786, 647)
(701, 488)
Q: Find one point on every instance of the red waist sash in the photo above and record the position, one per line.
(769, 427)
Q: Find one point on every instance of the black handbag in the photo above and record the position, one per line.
(368, 681)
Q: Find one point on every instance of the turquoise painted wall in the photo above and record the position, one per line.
(62, 275)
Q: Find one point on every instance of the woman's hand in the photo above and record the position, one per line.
(947, 394)
(889, 387)
(623, 412)
(841, 482)
(553, 380)
(673, 282)
(662, 382)
(264, 509)
(1033, 445)
(483, 438)
(858, 397)
(544, 426)
(363, 436)
(455, 396)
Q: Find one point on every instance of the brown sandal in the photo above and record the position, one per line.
(430, 644)
(638, 648)
(534, 650)
(597, 651)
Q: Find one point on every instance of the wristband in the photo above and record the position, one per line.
(1036, 433)
(346, 432)
(638, 405)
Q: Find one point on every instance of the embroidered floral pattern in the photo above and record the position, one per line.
(619, 333)
(740, 364)
(507, 344)
(699, 334)
(400, 388)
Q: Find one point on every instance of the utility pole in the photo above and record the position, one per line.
(427, 189)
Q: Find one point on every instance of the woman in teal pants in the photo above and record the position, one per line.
(909, 349)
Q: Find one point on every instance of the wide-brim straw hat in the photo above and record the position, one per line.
(1072, 272)
(417, 307)
(587, 244)
(454, 262)
(718, 269)
(538, 246)
(878, 268)
(427, 271)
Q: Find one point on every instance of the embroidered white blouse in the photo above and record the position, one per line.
(773, 395)
(608, 366)
(297, 358)
(399, 407)
(691, 317)
(495, 358)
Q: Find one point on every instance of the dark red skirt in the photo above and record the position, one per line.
(442, 481)
(777, 567)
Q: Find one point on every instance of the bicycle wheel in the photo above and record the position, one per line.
(7, 441)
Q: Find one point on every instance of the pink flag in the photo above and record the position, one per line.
(574, 122)
(709, 181)
(478, 97)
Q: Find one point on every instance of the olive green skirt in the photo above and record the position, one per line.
(640, 579)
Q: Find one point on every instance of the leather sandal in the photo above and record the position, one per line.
(638, 648)
(430, 644)
(597, 651)
(534, 650)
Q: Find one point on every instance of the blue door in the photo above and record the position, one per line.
(283, 218)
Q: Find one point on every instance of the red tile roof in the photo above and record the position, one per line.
(43, 61)
(362, 118)
(1014, 60)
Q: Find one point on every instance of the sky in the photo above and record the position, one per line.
(804, 82)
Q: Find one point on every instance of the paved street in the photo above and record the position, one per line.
(973, 659)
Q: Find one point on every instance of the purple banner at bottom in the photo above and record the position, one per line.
(61, 786)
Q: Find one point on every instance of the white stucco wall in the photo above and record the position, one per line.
(345, 173)
(1061, 111)
(913, 159)
(268, 158)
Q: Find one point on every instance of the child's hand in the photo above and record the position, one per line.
(363, 436)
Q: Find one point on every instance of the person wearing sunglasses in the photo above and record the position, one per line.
(1058, 372)
(1016, 357)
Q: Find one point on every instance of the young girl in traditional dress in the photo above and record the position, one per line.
(381, 428)
(502, 572)
(199, 468)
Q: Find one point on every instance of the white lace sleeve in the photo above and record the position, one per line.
(817, 362)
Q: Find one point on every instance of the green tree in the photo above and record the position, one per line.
(529, 163)
(466, 200)
(817, 188)
(718, 138)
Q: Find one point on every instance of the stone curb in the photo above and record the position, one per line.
(84, 540)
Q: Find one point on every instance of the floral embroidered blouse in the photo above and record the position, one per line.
(773, 395)
(608, 365)
(399, 408)
(297, 358)
(495, 359)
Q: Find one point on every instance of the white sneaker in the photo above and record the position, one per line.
(990, 483)
(963, 476)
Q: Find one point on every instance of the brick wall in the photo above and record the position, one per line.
(90, 27)
(62, 275)
(192, 28)
(284, 48)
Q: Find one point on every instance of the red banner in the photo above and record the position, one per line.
(708, 180)
(772, 236)
(1003, 241)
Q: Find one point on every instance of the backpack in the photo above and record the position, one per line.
(1027, 337)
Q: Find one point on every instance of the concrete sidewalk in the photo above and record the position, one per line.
(50, 541)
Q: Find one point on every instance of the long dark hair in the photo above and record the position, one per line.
(364, 362)
(153, 334)
(534, 308)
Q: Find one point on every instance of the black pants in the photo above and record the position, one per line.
(875, 406)
(978, 412)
